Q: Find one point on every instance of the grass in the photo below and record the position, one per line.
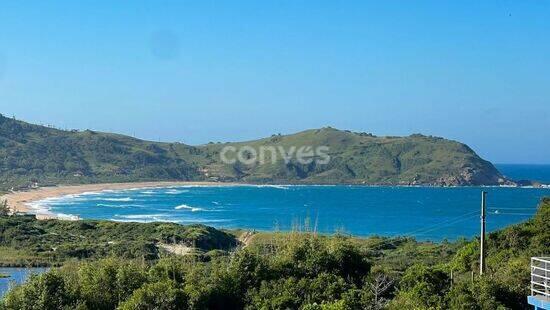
(11, 257)
(25, 241)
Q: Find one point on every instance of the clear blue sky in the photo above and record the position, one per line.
(474, 71)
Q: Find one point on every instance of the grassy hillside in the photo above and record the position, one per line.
(304, 271)
(365, 159)
(25, 241)
(31, 153)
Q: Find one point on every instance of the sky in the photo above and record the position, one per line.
(194, 72)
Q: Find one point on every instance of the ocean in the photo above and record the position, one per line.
(426, 213)
(540, 173)
(16, 276)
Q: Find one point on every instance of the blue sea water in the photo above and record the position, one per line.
(540, 173)
(427, 213)
(16, 276)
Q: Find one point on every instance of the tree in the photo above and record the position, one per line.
(156, 296)
(46, 292)
(378, 286)
(104, 284)
(422, 287)
(4, 209)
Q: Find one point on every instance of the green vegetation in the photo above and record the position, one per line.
(32, 154)
(4, 209)
(362, 158)
(304, 271)
(25, 241)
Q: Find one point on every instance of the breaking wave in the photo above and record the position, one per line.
(118, 199)
(193, 209)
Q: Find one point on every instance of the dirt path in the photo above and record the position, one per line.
(246, 238)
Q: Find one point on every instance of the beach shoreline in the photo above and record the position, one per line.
(19, 201)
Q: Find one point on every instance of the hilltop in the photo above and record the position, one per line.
(37, 154)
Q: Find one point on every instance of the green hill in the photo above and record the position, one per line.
(32, 153)
(362, 158)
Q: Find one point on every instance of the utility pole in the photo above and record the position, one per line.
(482, 238)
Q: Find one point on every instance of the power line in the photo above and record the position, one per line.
(453, 222)
(424, 230)
(507, 213)
(444, 223)
(511, 209)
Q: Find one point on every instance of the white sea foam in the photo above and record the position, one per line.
(118, 199)
(203, 220)
(189, 186)
(43, 207)
(193, 209)
(176, 191)
(62, 198)
(141, 216)
(144, 220)
(39, 207)
(57, 201)
(122, 220)
(89, 193)
(279, 186)
(69, 217)
(107, 205)
(269, 186)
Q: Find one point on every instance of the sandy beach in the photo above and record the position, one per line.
(19, 201)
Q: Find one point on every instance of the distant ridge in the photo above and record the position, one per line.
(38, 154)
